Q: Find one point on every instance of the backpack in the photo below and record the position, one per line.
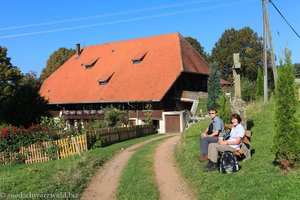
(210, 129)
(228, 162)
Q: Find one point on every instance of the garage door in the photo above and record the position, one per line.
(172, 123)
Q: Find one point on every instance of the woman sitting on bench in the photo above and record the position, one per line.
(232, 144)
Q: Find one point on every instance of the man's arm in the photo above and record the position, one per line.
(205, 133)
(215, 133)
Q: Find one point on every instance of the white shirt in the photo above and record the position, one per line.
(236, 131)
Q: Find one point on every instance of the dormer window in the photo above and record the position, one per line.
(90, 63)
(105, 78)
(138, 57)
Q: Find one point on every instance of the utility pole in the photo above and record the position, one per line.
(266, 25)
(271, 46)
(265, 69)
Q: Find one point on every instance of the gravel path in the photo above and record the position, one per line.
(171, 184)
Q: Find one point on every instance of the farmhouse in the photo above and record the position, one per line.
(163, 71)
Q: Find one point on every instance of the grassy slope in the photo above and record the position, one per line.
(138, 178)
(66, 175)
(258, 178)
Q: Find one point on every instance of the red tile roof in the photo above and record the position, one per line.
(166, 57)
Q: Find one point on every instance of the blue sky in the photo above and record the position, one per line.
(32, 30)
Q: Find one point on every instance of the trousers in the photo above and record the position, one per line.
(204, 142)
(215, 148)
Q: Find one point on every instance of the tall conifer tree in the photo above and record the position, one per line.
(213, 86)
(286, 140)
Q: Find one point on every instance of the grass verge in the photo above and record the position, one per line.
(58, 177)
(138, 178)
(258, 177)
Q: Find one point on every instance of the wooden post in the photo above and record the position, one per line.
(236, 75)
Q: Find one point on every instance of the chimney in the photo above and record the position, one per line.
(77, 50)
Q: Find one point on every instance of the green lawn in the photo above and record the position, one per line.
(257, 179)
(138, 178)
(56, 177)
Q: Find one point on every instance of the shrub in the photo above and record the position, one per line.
(224, 110)
(259, 85)
(286, 139)
(248, 89)
(115, 117)
(97, 124)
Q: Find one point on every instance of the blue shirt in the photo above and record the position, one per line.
(218, 124)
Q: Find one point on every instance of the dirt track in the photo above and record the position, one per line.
(171, 185)
(106, 180)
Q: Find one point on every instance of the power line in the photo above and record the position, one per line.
(284, 18)
(241, 2)
(105, 15)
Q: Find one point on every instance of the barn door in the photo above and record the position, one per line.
(172, 123)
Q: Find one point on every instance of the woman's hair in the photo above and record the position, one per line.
(236, 116)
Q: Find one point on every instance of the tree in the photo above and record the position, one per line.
(57, 59)
(9, 80)
(259, 84)
(26, 106)
(286, 139)
(9, 75)
(245, 42)
(200, 49)
(213, 86)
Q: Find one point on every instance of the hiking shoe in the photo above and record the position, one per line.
(203, 158)
(213, 167)
(208, 165)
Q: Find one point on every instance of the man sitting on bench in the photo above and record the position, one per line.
(212, 133)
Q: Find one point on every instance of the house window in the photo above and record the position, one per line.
(138, 57)
(90, 63)
(105, 78)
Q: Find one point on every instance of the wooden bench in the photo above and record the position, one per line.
(245, 151)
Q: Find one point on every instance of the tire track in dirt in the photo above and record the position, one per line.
(170, 183)
(106, 180)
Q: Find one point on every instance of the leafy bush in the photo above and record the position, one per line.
(97, 124)
(224, 110)
(18, 159)
(51, 150)
(115, 117)
(248, 89)
(12, 138)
